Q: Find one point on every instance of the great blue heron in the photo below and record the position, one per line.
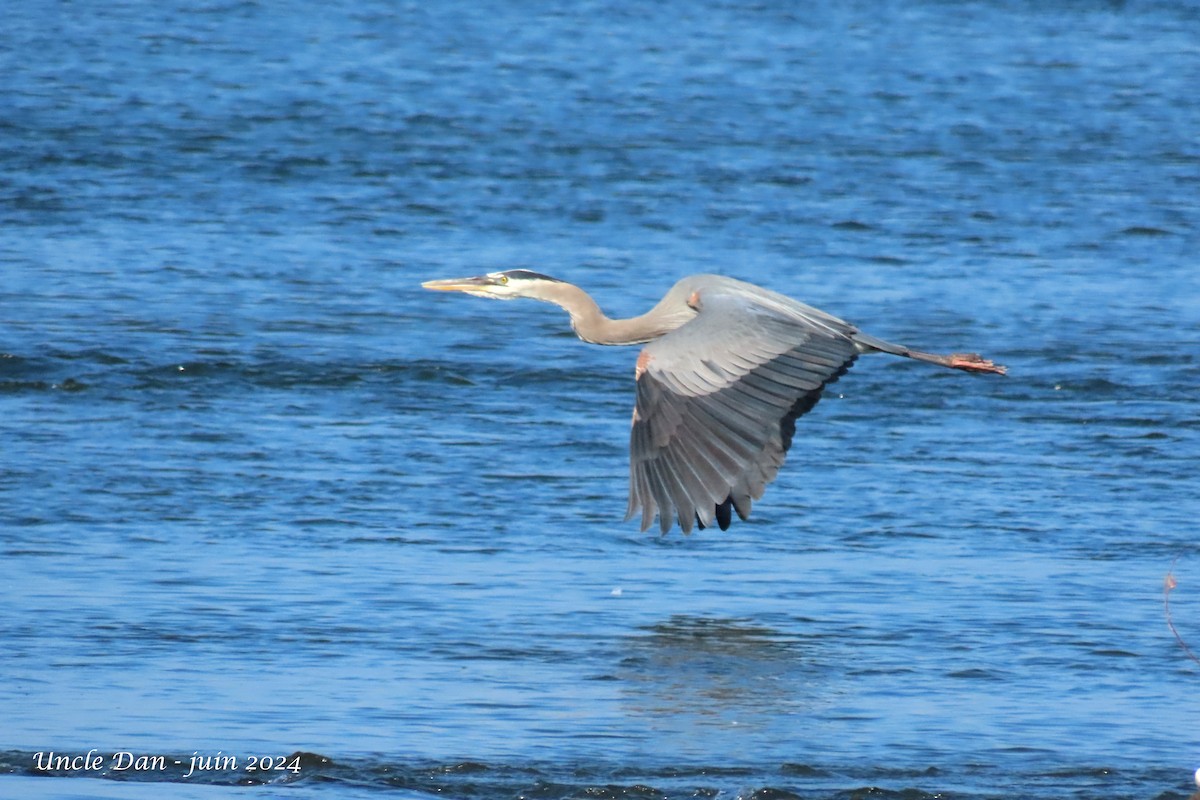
(727, 369)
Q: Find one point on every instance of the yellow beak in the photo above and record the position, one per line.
(456, 284)
(482, 286)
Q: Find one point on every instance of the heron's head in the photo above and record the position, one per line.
(498, 285)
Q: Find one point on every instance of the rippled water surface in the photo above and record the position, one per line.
(262, 496)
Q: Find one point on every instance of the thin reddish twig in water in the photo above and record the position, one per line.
(1168, 585)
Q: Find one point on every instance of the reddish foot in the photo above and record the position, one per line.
(973, 362)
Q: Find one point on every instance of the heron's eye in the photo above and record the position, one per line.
(503, 279)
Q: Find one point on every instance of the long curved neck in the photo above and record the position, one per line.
(591, 324)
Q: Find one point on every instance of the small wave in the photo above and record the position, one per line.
(476, 780)
(1144, 230)
(76, 371)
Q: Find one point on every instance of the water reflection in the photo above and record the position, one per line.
(718, 670)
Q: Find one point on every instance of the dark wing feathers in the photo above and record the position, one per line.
(717, 402)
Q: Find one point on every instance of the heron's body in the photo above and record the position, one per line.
(727, 369)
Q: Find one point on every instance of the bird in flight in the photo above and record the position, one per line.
(726, 370)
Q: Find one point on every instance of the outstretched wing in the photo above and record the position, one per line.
(717, 401)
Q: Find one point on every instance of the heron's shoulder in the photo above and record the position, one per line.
(712, 287)
(712, 281)
(735, 295)
(685, 289)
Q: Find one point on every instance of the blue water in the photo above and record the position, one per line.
(261, 495)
